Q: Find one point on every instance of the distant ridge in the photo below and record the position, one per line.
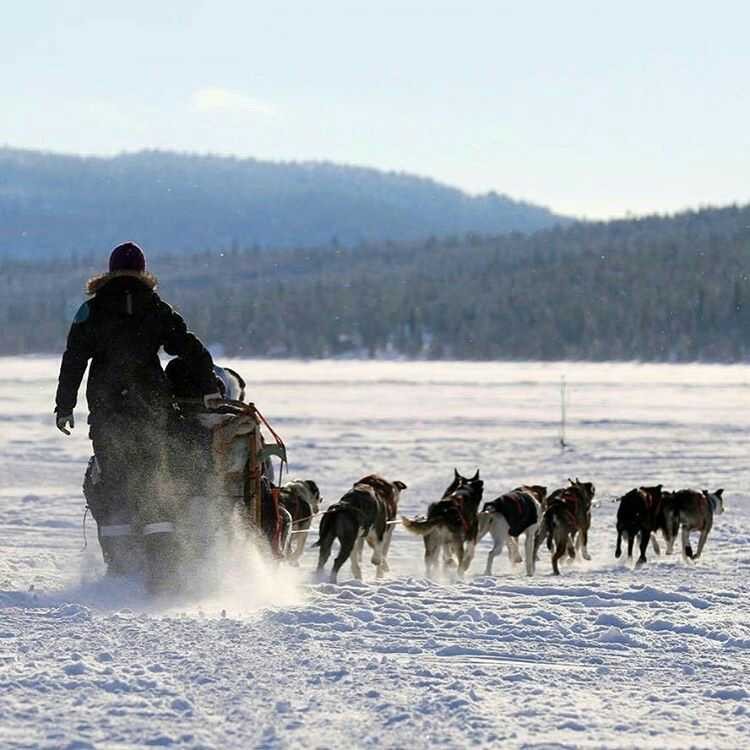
(53, 204)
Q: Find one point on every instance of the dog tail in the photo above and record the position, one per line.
(326, 523)
(420, 526)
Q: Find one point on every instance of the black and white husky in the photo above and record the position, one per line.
(451, 524)
(507, 517)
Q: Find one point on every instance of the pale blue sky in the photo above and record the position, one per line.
(591, 108)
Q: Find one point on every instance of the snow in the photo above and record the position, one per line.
(603, 656)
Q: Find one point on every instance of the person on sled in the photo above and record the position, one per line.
(120, 330)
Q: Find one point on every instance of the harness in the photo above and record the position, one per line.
(526, 511)
(457, 501)
(460, 510)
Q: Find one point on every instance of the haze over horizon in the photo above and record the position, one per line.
(590, 110)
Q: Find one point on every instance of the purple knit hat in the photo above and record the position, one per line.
(127, 257)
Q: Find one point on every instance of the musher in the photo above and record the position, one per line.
(121, 329)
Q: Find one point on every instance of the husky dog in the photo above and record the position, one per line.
(389, 493)
(639, 515)
(451, 522)
(301, 498)
(447, 553)
(568, 516)
(361, 514)
(233, 385)
(691, 510)
(510, 515)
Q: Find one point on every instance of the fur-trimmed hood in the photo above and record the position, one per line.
(95, 283)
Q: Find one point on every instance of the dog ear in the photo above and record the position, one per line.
(400, 484)
(475, 477)
(455, 473)
(719, 493)
(312, 486)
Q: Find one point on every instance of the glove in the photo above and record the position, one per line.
(64, 421)
(212, 400)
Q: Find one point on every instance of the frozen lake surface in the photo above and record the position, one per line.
(602, 656)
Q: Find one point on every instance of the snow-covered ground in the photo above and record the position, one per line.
(602, 656)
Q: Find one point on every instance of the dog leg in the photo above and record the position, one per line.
(702, 540)
(457, 547)
(513, 553)
(655, 544)
(347, 544)
(294, 551)
(377, 554)
(357, 558)
(468, 554)
(643, 546)
(673, 524)
(432, 548)
(485, 522)
(561, 544)
(325, 551)
(377, 548)
(618, 546)
(447, 555)
(687, 550)
(631, 542)
(529, 543)
(386, 547)
(538, 539)
(585, 543)
(498, 539)
(670, 545)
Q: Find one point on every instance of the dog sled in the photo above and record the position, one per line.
(218, 489)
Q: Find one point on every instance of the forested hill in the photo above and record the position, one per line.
(62, 205)
(673, 289)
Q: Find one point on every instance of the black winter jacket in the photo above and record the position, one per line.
(121, 329)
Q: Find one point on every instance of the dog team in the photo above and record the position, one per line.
(454, 525)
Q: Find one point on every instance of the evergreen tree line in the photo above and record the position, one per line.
(660, 289)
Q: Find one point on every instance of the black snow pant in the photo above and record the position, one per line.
(133, 497)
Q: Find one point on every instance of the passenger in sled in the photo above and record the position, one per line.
(120, 330)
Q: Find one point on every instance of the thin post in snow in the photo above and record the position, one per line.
(563, 414)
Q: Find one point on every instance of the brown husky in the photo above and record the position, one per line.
(567, 518)
(692, 510)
